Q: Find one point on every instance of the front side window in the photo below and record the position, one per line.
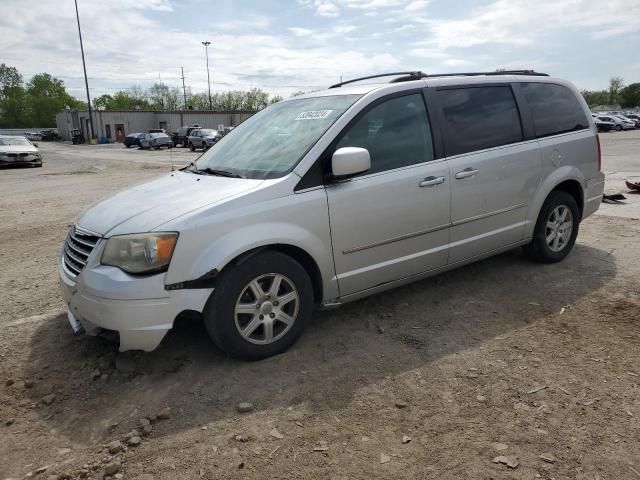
(479, 117)
(270, 143)
(554, 108)
(396, 133)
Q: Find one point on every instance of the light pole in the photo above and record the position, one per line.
(206, 49)
(84, 67)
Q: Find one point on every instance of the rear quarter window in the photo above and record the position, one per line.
(554, 108)
(477, 118)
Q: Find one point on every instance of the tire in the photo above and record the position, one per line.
(191, 147)
(618, 128)
(543, 250)
(127, 145)
(223, 323)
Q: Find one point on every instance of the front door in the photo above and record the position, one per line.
(391, 222)
(494, 171)
(120, 133)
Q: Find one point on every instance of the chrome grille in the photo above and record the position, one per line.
(77, 247)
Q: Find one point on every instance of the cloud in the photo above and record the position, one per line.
(255, 44)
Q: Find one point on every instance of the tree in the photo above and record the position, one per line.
(102, 102)
(595, 97)
(615, 84)
(12, 98)
(126, 100)
(162, 97)
(46, 96)
(630, 96)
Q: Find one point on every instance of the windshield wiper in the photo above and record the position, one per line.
(213, 171)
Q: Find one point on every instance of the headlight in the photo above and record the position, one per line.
(140, 253)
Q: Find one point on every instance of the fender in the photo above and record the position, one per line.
(547, 185)
(231, 245)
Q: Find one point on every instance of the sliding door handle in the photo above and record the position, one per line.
(466, 173)
(432, 181)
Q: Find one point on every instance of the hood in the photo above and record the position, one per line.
(18, 149)
(144, 207)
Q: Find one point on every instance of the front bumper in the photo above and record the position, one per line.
(36, 162)
(138, 308)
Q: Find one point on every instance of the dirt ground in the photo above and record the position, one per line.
(539, 364)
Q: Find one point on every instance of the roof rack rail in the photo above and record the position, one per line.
(496, 72)
(417, 75)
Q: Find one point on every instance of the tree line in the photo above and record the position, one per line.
(33, 103)
(616, 94)
(163, 97)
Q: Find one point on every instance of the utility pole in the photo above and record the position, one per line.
(84, 67)
(161, 92)
(206, 49)
(184, 89)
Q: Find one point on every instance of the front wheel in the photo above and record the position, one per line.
(191, 147)
(618, 128)
(260, 306)
(556, 229)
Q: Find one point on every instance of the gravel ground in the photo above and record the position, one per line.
(503, 369)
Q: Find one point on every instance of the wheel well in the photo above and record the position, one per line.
(298, 254)
(574, 189)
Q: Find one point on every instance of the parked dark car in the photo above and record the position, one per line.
(49, 135)
(181, 136)
(203, 138)
(133, 139)
(156, 140)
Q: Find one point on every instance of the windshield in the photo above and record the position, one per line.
(208, 132)
(14, 141)
(270, 143)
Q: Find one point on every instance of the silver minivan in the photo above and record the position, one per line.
(332, 196)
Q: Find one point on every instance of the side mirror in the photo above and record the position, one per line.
(349, 161)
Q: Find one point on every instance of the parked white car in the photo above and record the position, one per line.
(333, 196)
(17, 151)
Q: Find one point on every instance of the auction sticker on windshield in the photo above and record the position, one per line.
(314, 115)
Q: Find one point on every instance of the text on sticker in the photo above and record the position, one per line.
(314, 115)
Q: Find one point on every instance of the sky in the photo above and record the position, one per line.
(287, 46)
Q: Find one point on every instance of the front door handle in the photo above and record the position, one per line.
(432, 181)
(466, 173)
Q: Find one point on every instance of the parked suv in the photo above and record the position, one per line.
(333, 196)
(181, 137)
(203, 138)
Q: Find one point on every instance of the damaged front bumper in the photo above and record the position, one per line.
(106, 299)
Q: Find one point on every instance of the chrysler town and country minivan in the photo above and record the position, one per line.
(332, 196)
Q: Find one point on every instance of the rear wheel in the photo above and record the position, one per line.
(556, 229)
(260, 306)
(191, 147)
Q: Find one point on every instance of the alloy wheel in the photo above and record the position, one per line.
(559, 228)
(266, 309)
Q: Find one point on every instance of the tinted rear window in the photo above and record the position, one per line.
(479, 117)
(555, 109)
